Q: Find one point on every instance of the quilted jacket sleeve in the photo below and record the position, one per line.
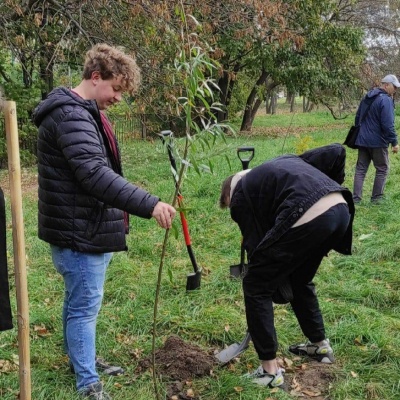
(82, 147)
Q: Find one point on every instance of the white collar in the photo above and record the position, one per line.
(236, 178)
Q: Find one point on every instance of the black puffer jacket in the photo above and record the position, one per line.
(81, 189)
(273, 196)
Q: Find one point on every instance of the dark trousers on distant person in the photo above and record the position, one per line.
(296, 256)
(380, 158)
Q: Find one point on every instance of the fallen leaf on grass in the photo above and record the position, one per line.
(7, 366)
(365, 236)
(15, 359)
(206, 271)
(288, 362)
(41, 330)
(354, 374)
(295, 385)
(358, 341)
(309, 393)
(231, 367)
(238, 389)
(190, 393)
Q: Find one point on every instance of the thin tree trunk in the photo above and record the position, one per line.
(226, 85)
(223, 83)
(252, 103)
(292, 103)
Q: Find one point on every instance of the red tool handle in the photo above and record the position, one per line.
(185, 227)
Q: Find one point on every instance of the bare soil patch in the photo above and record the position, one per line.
(180, 362)
(293, 130)
(308, 380)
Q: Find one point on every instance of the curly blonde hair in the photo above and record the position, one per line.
(112, 62)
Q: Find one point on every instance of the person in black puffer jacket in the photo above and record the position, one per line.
(291, 210)
(84, 200)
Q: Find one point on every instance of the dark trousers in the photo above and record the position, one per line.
(296, 256)
(380, 159)
(5, 307)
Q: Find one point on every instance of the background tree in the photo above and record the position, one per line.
(313, 48)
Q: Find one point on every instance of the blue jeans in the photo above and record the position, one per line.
(83, 275)
(380, 159)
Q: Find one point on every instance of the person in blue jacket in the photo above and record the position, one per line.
(291, 211)
(84, 200)
(376, 133)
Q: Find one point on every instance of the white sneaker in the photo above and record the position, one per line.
(263, 378)
(323, 354)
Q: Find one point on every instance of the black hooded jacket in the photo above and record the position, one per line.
(268, 201)
(81, 188)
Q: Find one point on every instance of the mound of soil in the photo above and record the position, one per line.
(181, 362)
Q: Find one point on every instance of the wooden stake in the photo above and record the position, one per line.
(14, 169)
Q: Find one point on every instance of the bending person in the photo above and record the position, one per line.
(291, 210)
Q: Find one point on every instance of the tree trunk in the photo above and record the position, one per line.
(26, 75)
(307, 105)
(45, 62)
(46, 76)
(252, 103)
(274, 102)
(226, 85)
(223, 83)
(271, 102)
(292, 102)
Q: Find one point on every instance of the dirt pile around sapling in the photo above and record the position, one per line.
(180, 362)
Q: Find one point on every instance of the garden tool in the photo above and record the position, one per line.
(245, 154)
(193, 279)
(234, 350)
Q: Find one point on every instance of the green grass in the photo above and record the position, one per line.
(359, 294)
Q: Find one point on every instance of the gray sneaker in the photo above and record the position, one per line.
(323, 354)
(103, 367)
(263, 378)
(95, 392)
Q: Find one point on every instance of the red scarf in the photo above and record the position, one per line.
(112, 141)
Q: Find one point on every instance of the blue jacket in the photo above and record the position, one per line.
(81, 188)
(377, 129)
(273, 196)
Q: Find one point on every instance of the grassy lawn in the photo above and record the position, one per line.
(359, 294)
